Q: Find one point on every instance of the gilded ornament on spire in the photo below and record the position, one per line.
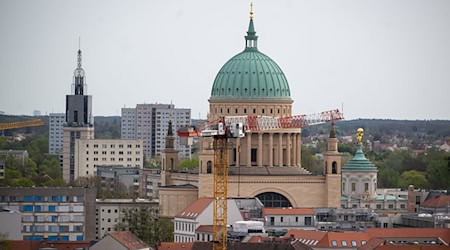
(251, 10)
(359, 135)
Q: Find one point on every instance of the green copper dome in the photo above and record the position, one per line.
(250, 75)
(359, 162)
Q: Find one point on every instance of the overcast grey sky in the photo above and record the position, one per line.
(381, 58)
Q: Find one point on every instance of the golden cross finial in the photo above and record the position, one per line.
(251, 10)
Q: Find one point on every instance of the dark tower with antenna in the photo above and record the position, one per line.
(79, 104)
(79, 121)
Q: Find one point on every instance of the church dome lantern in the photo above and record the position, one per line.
(250, 75)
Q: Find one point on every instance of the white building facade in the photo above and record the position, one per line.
(90, 153)
(200, 213)
(110, 212)
(55, 132)
(149, 122)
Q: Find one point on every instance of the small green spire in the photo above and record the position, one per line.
(251, 38)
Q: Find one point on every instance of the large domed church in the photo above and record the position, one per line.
(264, 164)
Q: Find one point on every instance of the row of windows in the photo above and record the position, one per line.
(53, 218)
(52, 208)
(183, 226)
(42, 198)
(114, 159)
(52, 228)
(236, 111)
(114, 146)
(114, 152)
(308, 220)
(344, 243)
(52, 238)
(353, 186)
(183, 239)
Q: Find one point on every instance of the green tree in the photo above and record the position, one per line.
(415, 178)
(55, 183)
(50, 167)
(346, 148)
(146, 225)
(438, 174)
(188, 164)
(310, 161)
(388, 178)
(5, 243)
(23, 182)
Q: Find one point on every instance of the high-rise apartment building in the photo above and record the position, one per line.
(79, 121)
(53, 213)
(100, 152)
(55, 132)
(149, 122)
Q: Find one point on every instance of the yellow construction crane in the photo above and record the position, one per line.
(228, 127)
(24, 124)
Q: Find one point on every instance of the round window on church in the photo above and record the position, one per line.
(271, 199)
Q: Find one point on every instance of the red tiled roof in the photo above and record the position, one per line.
(306, 237)
(129, 240)
(193, 210)
(372, 244)
(175, 246)
(205, 228)
(32, 245)
(341, 238)
(413, 247)
(260, 239)
(287, 211)
(438, 201)
(443, 233)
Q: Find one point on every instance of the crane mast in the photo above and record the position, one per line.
(220, 146)
(235, 127)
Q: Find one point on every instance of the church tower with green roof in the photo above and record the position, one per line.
(359, 175)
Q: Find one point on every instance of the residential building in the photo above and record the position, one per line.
(149, 122)
(150, 181)
(372, 238)
(445, 146)
(79, 122)
(120, 179)
(200, 213)
(439, 204)
(424, 220)
(53, 213)
(55, 133)
(90, 153)
(49, 245)
(344, 219)
(110, 212)
(279, 220)
(124, 240)
(11, 224)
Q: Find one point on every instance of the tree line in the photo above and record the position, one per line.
(396, 169)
